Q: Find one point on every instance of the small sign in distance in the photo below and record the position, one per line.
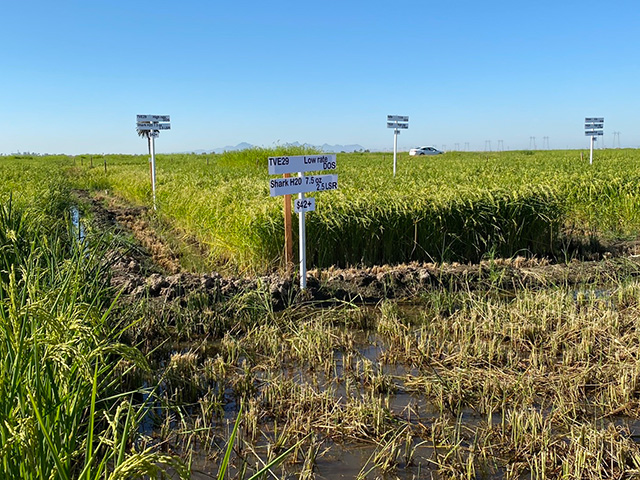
(397, 125)
(153, 126)
(152, 118)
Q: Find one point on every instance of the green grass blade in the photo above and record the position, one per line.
(276, 461)
(61, 470)
(227, 455)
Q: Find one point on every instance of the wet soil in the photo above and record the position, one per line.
(153, 270)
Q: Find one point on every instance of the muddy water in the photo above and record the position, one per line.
(335, 459)
(339, 461)
(349, 460)
(419, 455)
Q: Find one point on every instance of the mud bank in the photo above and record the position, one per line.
(153, 270)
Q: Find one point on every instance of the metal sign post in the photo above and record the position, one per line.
(395, 149)
(149, 126)
(593, 127)
(302, 237)
(302, 184)
(153, 170)
(396, 122)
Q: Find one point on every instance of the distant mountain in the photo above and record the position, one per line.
(341, 148)
(325, 148)
(228, 148)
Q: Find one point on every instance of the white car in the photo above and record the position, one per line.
(424, 151)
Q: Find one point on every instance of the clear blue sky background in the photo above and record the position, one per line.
(75, 73)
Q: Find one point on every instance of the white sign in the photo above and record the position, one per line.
(306, 184)
(152, 118)
(301, 163)
(597, 120)
(307, 204)
(153, 126)
(150, 123)
(594, 125)
(397, 118)
(397, 125)
(593, 133)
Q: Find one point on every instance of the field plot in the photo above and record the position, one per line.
(459, 207)
(520, 360)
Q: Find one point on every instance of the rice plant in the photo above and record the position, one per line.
(62, 412)
(458, 207)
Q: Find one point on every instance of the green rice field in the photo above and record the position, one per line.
(455, 207)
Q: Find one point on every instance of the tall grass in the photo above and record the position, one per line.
(459, 206)
(62, 413)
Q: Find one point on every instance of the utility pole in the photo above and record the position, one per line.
(616, 134)
(545, 143)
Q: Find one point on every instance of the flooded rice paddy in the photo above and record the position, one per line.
(467, 384)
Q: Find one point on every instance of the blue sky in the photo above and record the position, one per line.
(75, 73)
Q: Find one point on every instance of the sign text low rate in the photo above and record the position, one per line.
(301, 163)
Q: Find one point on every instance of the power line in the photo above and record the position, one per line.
(616, 134)
(545, 143)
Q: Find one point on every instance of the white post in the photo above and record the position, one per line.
(153, 170)
(591, 152)
(395, 149)
(303, 242)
